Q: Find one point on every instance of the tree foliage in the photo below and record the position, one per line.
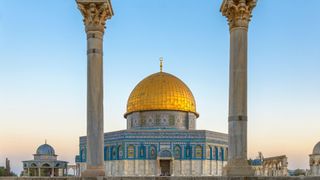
(4, 173)
(299, 172)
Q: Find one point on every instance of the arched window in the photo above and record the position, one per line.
(177, 152)
(216, 153)
(120, 152)
(83, 154)
(142, 121)
(221, 154)
(198, 151)
(165, 153)
(226, 154)
(130, 151)
(105, 153)
(45, 165)
(153, 152)
(311, 162)
(158, 121)
(142, 151)
(208, 152)
(188, 151)
(114, 153)
(171, 120)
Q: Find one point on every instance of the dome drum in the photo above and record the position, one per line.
(161, 120)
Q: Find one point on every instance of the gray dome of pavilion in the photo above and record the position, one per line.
(316, 149)
(45, 149)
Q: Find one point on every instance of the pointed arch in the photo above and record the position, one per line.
(177, 152)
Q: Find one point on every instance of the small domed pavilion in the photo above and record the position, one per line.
(315, 161)
(45, 163)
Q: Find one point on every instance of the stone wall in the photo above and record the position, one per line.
(164, 178)
(151, 167)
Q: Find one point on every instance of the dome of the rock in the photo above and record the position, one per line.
(161, 91)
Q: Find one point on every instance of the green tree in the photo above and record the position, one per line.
(299, 172)
(2, 171)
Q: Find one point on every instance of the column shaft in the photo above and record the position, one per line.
(94, 100)
(238, 95)
(95, 13)
(238, 13)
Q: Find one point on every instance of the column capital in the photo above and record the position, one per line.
(95, 13)
(238, 12)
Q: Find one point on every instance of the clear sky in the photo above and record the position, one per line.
(43, 71)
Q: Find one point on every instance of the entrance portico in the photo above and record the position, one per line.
(165, 167)
(165, 163)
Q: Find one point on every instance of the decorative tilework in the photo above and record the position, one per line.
(153, 152)
(131, 151)
(129, 143)
(198, 151)
(165, 153)
(161, 120)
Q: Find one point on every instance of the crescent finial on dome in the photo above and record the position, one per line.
(161, 63)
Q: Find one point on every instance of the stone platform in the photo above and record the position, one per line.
(164, 178)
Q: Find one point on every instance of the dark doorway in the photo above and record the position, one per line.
(165, 167)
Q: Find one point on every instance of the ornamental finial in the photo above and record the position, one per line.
(45, 141)
(161, 63)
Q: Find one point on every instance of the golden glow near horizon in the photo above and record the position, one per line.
(161, 91)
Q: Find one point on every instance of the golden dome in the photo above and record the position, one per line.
(161, 91)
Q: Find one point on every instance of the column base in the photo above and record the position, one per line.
(238, 168)
(93, 172)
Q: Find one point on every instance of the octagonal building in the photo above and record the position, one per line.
(161, 138)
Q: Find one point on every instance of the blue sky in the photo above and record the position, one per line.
(43, 71)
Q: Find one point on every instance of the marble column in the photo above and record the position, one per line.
(95, 13)
(238, 13)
